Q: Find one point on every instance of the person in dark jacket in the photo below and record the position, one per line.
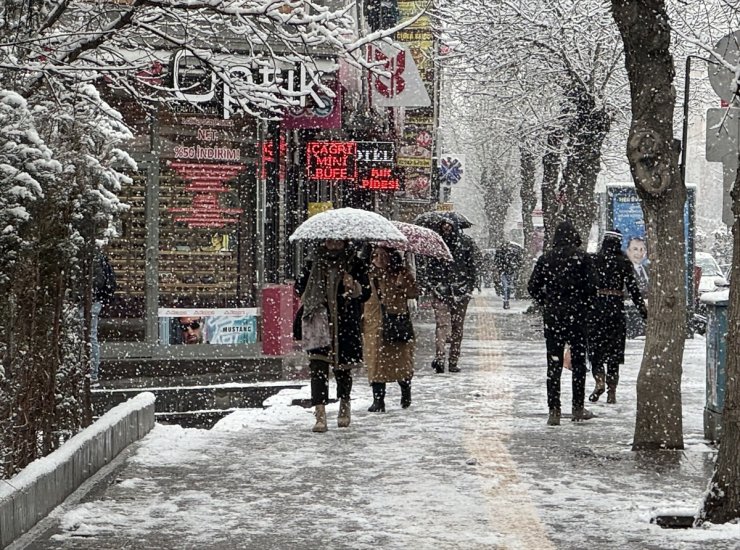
(333, 287)
(508, 261)
(451, 285)
(104, 288)
(607, 330)
(563, 285)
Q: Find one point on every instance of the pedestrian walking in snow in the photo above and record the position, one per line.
(608, 329)
(333, 287)
(508, 262)
(563, 285)
(104, 288)
(389, 346)
(452, 285)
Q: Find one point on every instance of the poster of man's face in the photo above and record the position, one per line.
(636, 251)
(191, 329)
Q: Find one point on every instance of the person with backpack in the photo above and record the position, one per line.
(104, 287)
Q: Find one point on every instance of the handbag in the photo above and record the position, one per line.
(397, 328)
(316, 333)
(298, 324)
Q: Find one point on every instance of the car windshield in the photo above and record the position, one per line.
(709, 267)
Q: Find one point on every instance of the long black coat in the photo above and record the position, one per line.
(607, 326)
(346, 321)
(563, 282)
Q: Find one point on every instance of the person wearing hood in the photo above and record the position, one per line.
(608, 327)
(333, 287)
(451, 285)
(563, 285)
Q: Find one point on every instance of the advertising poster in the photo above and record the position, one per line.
(208, 325)
(625, 214)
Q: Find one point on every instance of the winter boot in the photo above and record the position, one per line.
(320, 413)
(506, 304)
(611, 394)
(452, 367)
(405, 393)
(600, 387)
(344, 416)
(378, 398)
(582, 414)
(438, 365)
(553, 419)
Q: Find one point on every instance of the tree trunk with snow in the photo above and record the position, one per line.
(550, 176)
(653, 161)
(529, 202)
(586, 136)
(722, 502)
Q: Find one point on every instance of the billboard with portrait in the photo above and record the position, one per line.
(208, 325)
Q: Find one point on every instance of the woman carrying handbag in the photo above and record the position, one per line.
(387, 333)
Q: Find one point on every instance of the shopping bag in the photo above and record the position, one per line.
(567, 359)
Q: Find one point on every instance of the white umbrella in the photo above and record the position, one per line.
(347, 224)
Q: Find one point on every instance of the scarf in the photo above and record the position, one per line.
(325, 275)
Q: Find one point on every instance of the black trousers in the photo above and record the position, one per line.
(320, 382)
(558, 333)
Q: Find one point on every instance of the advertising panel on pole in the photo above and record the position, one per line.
(624, 212)
(416, 143)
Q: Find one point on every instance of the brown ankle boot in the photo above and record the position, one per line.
(600, 387)
(611, 394)
(320, 413)
(582, 414)
(344, 416)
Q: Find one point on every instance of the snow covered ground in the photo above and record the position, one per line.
(471, 465)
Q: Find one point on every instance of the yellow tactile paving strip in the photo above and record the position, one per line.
(512, 512)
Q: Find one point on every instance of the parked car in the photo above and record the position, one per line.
(712, 277)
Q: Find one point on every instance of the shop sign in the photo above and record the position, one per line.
(326, 116)
(331, 160)
(208, 325)
(380, 179)
(403, 86)
(376, 152)
(207, 183)
(196, 83)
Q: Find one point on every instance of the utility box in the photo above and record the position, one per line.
(716, 303)
(278, 307)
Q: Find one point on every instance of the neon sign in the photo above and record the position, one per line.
(331, 160)
(380, 179)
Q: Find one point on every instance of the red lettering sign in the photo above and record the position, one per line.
(331, 160)
(380, 179)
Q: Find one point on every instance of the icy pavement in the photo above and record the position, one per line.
(471, 465)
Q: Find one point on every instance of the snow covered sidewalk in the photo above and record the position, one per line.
(471, 465)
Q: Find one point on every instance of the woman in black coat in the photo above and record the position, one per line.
(333, 287)
(607, 330)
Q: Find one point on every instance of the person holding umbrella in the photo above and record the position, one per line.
(388, 357)
(451, 285)
(333, 286)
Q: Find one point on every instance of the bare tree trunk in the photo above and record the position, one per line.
(722, 502)
(550, 175)
(584, 164)
(497, 197)
(653, 161)
(529, 202)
